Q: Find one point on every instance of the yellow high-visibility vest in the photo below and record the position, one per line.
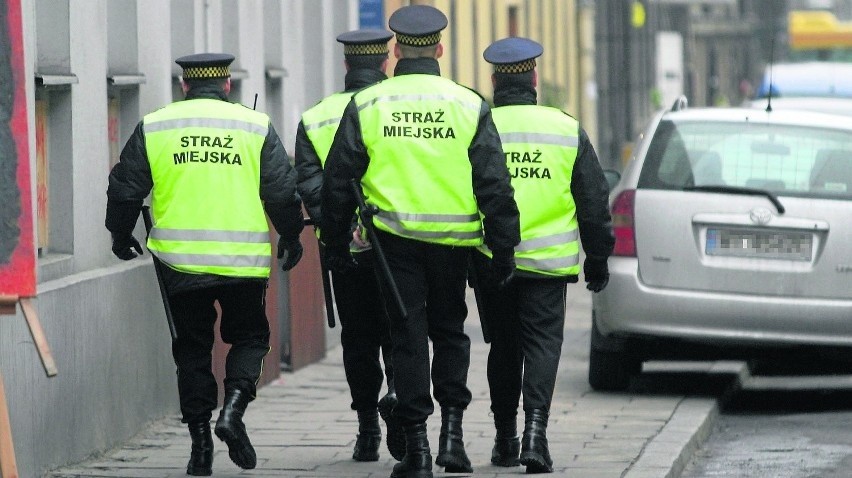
(205, 162)
(417, 130)
(540, 144)
(320, 124)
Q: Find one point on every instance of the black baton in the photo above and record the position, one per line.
(366, 213)
(146, 218)
(325, 273)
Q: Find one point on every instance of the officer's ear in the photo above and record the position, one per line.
(227, 86)
(535, 78)
(384, 66)
(493, 80)
(397, 51)
(183, 86)
(439, 50)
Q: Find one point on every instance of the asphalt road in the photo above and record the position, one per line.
(781, 427)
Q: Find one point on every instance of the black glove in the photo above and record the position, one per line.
(502, 267)
(597, 274)
(338, 259)
(290, 251)
(123, 246)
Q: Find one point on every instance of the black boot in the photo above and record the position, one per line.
(507, 444)
(395, 436)
(451, 454)
(231, 430)
(417, 462)
(534, 452)
(369, 436)
(201, 456)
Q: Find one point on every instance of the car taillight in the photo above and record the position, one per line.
(622, 224)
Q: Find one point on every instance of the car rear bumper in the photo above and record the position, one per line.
(629, 308)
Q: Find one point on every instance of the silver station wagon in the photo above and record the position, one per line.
(733, 241)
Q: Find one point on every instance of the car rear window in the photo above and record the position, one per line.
(789, 160)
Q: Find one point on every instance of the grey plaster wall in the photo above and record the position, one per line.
(107, 331)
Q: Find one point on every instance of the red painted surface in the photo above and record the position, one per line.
(307, 306)
(17, 277)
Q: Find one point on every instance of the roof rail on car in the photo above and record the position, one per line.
(680, 103)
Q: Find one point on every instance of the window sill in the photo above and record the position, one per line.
(52, 266)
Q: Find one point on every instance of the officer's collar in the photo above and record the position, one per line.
(515, 95)
(206, 91)
(412, 66)
(361, 77)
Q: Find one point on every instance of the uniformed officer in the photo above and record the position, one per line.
(562, 195)
(428, 157)
(213, 168)
(365, 327)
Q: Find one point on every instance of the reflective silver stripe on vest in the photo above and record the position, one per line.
(418, 97)
(405, 216)
(215, 260)
(552, 264)
(327, 122)
(547, 241)
(206, 235)
(220, 123)
(540, 138)
(460, 235)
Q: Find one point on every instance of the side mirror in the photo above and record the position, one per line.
(612, 177)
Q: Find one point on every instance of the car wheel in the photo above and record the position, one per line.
(611, 371)
(611, 365)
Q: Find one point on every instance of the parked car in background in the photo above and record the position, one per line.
(810, 79)
(733, 237)
(824, 87)
(839, 106)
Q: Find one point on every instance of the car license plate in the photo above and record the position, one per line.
(763, 244)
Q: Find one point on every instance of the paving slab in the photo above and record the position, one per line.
(302, 426)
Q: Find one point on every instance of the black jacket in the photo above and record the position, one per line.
(130, 182)
(491, 183)
(588, 184)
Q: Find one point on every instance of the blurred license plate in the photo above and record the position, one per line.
(790, 245)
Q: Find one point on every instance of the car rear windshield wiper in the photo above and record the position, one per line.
(740, 190)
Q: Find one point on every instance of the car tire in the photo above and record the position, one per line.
(611, 371)
(611, 366)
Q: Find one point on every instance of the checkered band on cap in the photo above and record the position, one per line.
(366, 49)
(204, 72)
(521, 67)
(428, 40)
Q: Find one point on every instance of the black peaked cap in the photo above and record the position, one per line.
(418, 25)
(513, 55)
(205, 65)
(365, 42)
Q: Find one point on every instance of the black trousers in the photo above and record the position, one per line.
(244, 326)
(432, 281)
(527, 319)
(365, 332)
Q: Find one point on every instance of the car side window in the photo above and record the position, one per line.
(667, 164)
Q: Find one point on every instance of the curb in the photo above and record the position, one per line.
(691, 423)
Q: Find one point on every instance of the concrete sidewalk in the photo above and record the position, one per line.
(302, 426)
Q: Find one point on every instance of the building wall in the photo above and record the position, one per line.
(95, 68)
